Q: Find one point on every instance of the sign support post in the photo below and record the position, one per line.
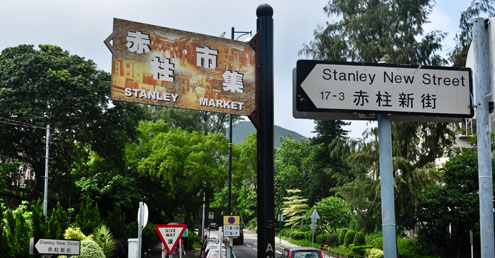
(483, 95)
(387, 186)
(140, 229)
(264, 59)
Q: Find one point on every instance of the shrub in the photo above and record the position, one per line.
(90, 249)
(88, 218)
(342, 233)
(308, 235)
(321, 238)
(332, 240)
(375, 241)
(359, 249)
(104, 239)
(297, 235)
(74, 234)
(374, 253)
(349, 237)
(359, 239)
(409, 247)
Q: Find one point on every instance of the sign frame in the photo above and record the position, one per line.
(303, 106)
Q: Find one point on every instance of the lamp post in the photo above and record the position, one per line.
(229, 210)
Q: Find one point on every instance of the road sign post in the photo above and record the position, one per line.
(264, 124)
(314, 217)
(483, 96)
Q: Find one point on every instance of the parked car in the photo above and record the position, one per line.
(215, 253)
(211, 247)
(213, 225)
(240, 239)
(301, 252)
(206, 243)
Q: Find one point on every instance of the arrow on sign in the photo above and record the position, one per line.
(314, 216)
(170, 235)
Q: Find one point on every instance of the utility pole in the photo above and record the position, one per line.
(229, 211)
(45, 194)
(483, 95)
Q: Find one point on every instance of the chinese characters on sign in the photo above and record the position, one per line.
(162, 66)
(403, 91)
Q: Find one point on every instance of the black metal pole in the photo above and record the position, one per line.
(265, 195)
(229, 210)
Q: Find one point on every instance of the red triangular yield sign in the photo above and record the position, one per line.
(170, 235)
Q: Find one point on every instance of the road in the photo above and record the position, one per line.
(250, 247)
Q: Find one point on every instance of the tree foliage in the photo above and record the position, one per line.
(367, 31)
(295, 208)
(334, 213)
(49, 86)
(454, 203)
(183, 165)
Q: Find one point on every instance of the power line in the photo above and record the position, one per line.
(16, 123)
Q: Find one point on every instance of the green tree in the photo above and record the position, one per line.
(88, 217)
(180, 165)
(39, 220)
(478, 8)
(295, 208)
(49, 86)
(334, 213)
(454, 203)
(293, 169)
(58, 222)
(17, 232)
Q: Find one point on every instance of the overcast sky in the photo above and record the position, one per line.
(80, 26)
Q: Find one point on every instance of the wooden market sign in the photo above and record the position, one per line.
(174, 68)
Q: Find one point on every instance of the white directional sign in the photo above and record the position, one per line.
(58, 246)
(232, 230)
(359, 91)
(170, 235)
(314, 216)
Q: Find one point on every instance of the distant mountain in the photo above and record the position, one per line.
(244, 128)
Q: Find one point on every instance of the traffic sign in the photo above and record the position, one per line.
(231, 220)
(312, 226)
(174, 68)
(170, 235)
(232, 230)
(57, 246)
(145, 215)
(211, 215)
(358, 91)
(314, 216)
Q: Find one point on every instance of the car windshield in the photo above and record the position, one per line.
(305, 254)
(216, 253)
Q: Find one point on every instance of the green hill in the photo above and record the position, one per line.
(244, 128)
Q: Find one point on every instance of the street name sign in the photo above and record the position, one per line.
(359, 91)
(170, 235)
(232, 230)
(174, 68)
(57, 246)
